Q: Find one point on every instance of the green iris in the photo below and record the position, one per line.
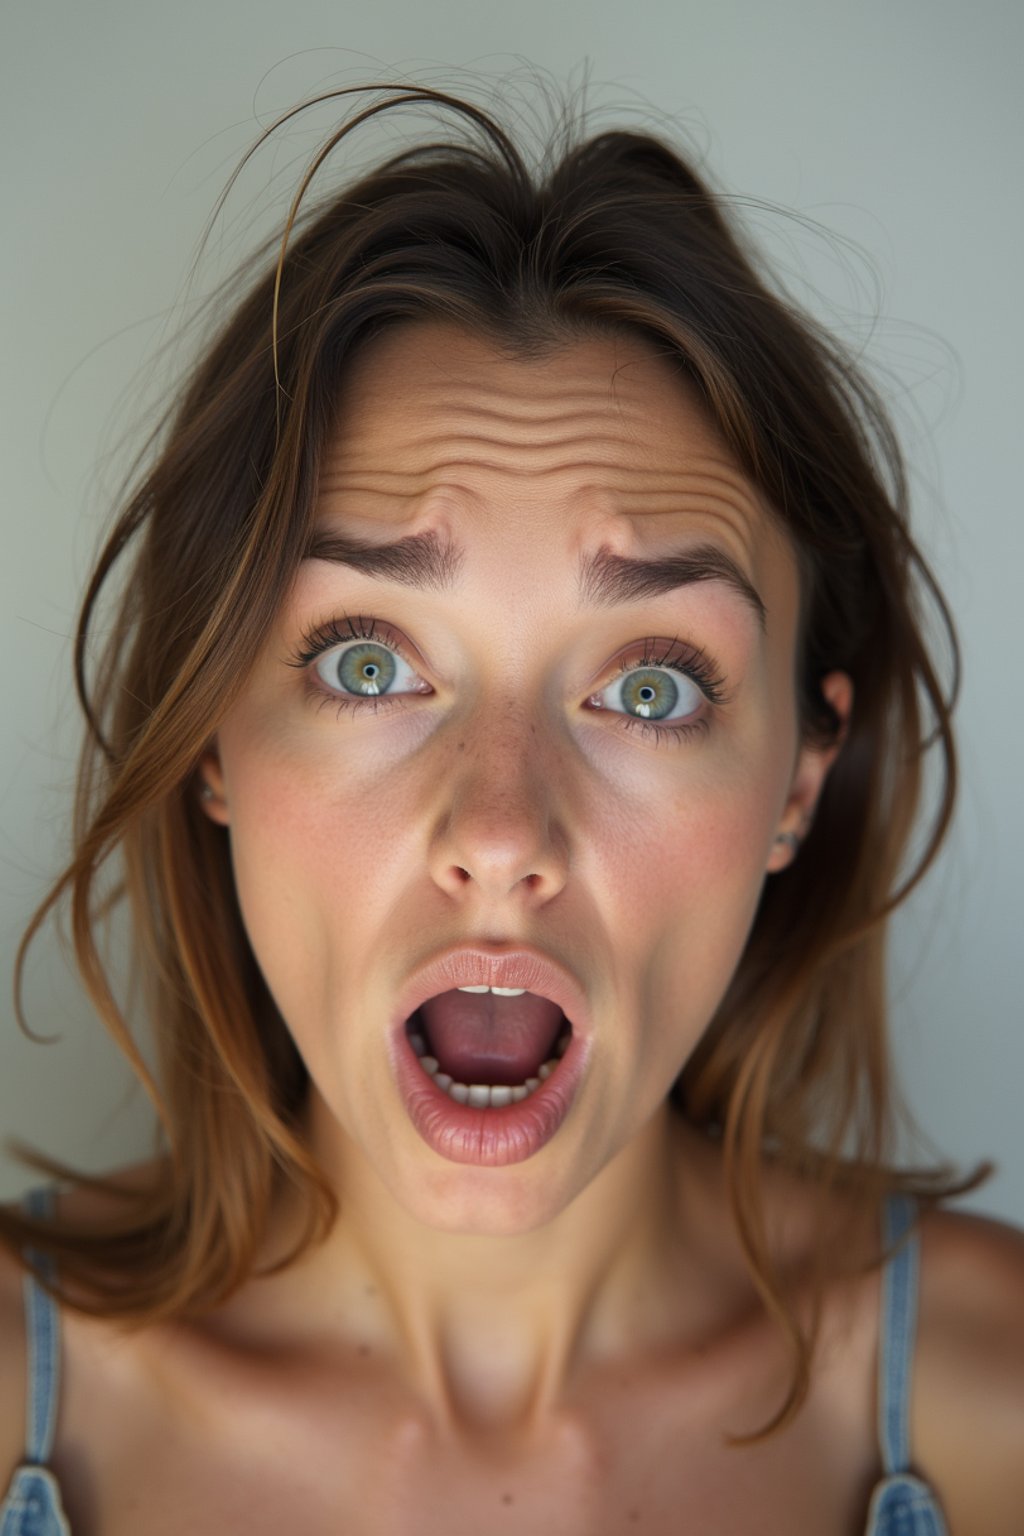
(640, 692)
(366, 669)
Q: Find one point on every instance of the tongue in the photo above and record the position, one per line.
(479, 1038)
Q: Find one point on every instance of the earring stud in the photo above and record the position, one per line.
(789, 840)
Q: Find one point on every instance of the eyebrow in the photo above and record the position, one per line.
(604, 579)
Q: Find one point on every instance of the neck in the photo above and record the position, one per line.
(492, 1331)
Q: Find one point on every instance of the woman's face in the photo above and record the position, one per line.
(564, 751)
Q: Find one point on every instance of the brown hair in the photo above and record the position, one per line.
(613, 231)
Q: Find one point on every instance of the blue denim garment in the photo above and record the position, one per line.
(901, 1505)
(32, 1506)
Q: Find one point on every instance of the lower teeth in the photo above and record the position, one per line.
(486, 1095)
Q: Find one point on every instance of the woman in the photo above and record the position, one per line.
(510, 739)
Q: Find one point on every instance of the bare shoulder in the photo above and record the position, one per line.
(81, 1207)
(968, 1408)
(12, 1367)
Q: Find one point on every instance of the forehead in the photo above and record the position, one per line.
(600, 444)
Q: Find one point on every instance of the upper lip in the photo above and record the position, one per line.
(484, 964)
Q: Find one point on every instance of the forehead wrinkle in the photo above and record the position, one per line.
(470, 418)
(514, 443)
(502, 429)
(463, 440)
(457, 462)
(565, 399)
(343, 462)
(720, 498)
(474, 448)
(622, 553)
(527, 411)
(430, 478)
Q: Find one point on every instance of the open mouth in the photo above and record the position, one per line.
(489, 1047)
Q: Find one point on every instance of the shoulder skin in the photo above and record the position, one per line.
(968, 1388)
(12, 1368)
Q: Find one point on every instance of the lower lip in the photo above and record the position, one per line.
(492, 1137)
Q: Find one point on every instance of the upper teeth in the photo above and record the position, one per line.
(498, 991)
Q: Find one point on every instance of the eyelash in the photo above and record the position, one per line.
(690, 660)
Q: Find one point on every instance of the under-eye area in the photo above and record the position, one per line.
(489, 1047)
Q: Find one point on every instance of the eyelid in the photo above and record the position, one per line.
(684, 657)
(321, 638)
(655, 651)
(680, 656)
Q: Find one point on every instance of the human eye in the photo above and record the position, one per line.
(668, 692)
(352, 663)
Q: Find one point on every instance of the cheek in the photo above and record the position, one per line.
(316, 854)
(696, 824)
(681, 872)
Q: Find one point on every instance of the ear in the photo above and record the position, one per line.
(809, 775)
(210, 786)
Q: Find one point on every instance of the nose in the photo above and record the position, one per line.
(498, 833)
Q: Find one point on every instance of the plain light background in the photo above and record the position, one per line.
(896, 124)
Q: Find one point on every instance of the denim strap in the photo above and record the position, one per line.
(896, 1334)
(42, 1337)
